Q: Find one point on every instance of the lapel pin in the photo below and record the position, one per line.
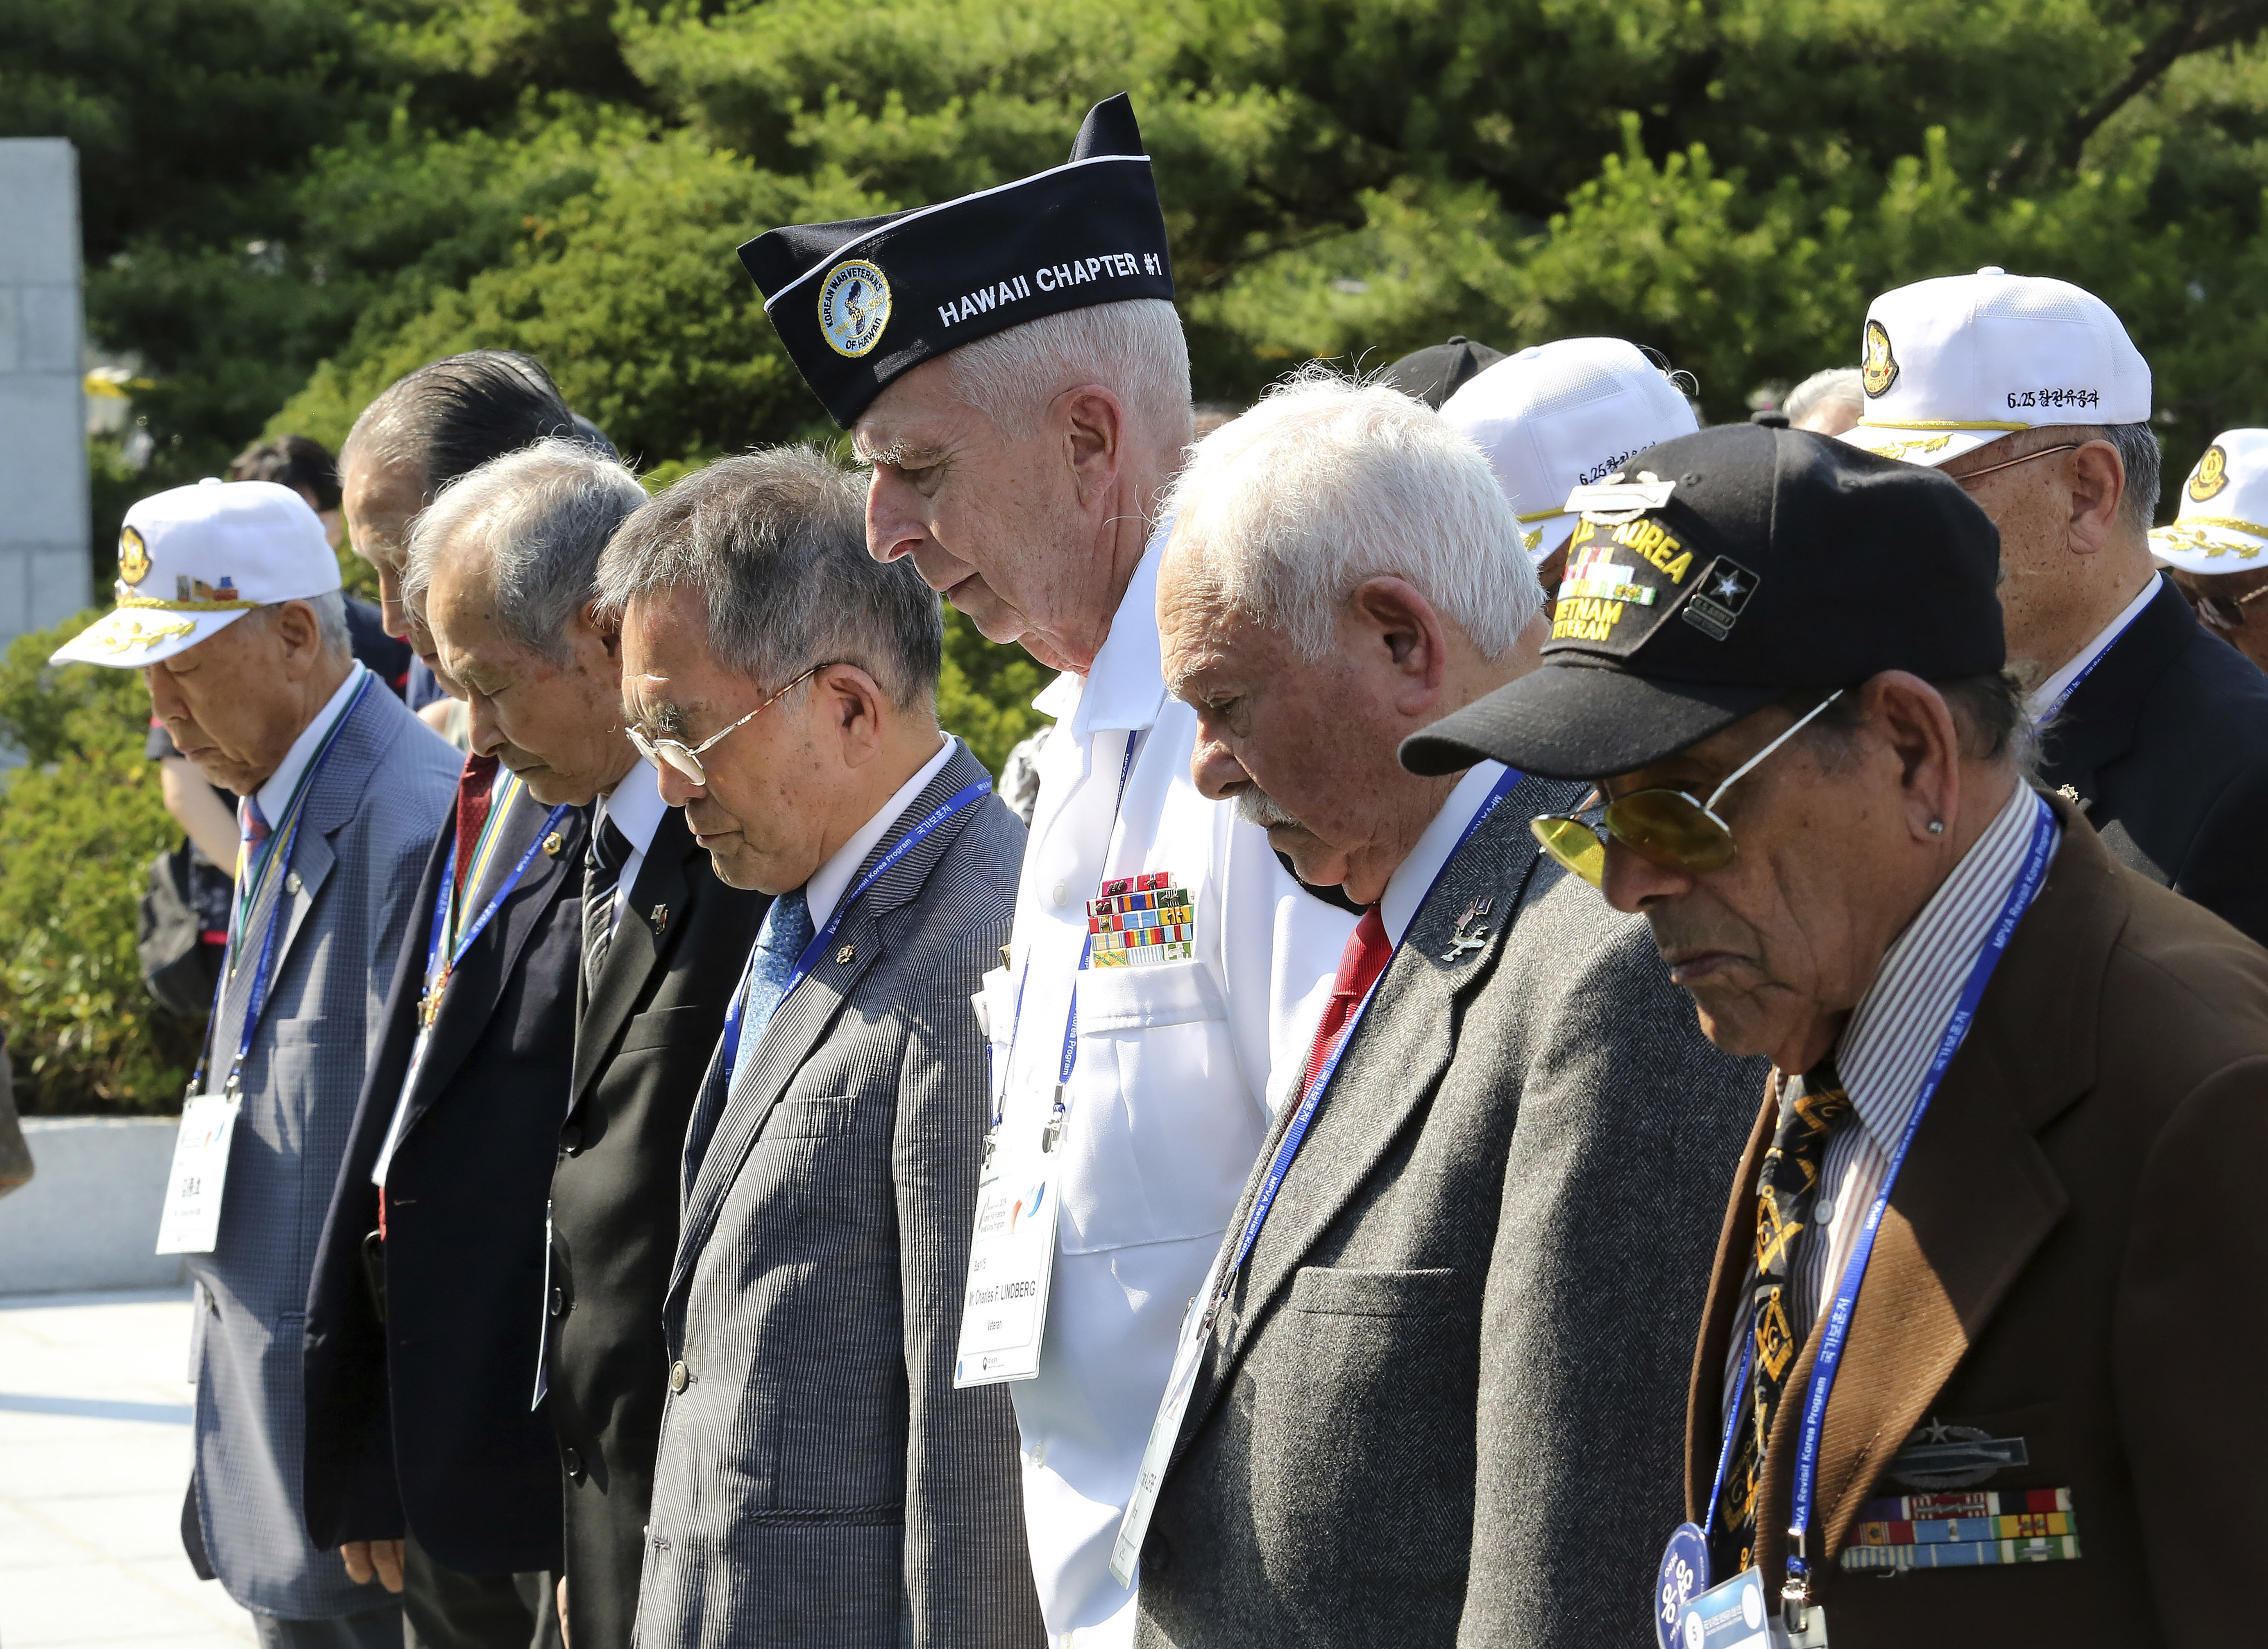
(293, 885)
(659, 919)
(552, 843)
(1467, 939)
(848, 954)
(2070, 793)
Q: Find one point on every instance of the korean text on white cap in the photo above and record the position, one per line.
(2223, 523)
(1951, 363)
(1561, 416)
(193, 561)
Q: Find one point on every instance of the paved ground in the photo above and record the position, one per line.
(94, 1454)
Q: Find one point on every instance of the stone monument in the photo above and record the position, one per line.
(45, 569)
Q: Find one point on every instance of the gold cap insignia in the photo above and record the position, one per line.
(134, 556)
(854, 307)
(1878, 369)
(2210, 476)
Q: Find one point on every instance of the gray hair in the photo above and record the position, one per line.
(774, 541)
(1328, 481)
(1133, 348)
(540, 516)
(330, 610)
(450, 417)
(1836, 386)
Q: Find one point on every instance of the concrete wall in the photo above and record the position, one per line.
(89, 1218)
(44, 564)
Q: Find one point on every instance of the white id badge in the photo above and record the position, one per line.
(190, 1223)
(1134, 1528)
(1736, 1615)
(1011, 1258)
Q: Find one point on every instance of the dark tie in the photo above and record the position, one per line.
(602, 875)
(1785, 1190)
(475, 792)
(1365, 957)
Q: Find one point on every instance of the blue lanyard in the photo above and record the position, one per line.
(1296, 1134)
(1837, 1327)
(1085, 951)
(276, 862)
(2064, 697)
(437, 935)
(974, 792)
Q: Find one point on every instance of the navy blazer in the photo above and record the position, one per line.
(424, 1421)
(2164, 748)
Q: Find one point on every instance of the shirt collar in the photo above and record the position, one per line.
(829, 881)
(1414, 878)
(1895, 1031)
(635, 806)
(276, 795)
(1125, 686)
(2050, 692)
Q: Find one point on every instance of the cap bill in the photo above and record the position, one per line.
(127, 638)
(1576, 719)
(1926, 444)
(2211, 544)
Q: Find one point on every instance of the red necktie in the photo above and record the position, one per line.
(1365, 957)
(474, 794)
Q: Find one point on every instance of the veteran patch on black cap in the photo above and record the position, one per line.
(863, 301)
(1720, 571)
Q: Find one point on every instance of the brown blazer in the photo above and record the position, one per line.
(2076, 1253)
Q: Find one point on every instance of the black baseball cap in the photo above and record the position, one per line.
(864, 301)
(1716, 573)
(1438, 371)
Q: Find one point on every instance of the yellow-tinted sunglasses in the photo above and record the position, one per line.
(1664, 827)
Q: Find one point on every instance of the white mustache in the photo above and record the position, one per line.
(1255, 806)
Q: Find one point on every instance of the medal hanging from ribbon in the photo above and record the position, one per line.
(449, 939)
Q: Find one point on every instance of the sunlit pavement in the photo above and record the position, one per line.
(94, 1456)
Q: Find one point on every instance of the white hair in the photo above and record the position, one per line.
(1836, 386)
(1133, 348)
(540, 516)
(1328, 481)
(330, 610)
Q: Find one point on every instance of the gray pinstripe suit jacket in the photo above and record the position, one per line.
(820, 1483)
(1447, 1399)
(369, 818)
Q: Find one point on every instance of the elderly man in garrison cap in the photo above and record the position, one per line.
(821, 1481)
(1987, 1297)
(2029, 394)
(1011, 365)
(1472, 1252)
(1559, 416)
(229, 604)
(425, 1464)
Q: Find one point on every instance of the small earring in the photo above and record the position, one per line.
(1937, 827)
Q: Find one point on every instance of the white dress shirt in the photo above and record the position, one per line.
(2051, 693)
(276, 795)
(1170, 1098)
(635, 808)
(1886, 1050)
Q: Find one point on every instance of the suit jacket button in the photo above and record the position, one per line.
(574, 1466)
(558, 1301)
(678, 1376)
(571, 1140)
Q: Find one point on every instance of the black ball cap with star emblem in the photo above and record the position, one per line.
(1721, 572)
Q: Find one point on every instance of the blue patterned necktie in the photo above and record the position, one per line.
(786, 930)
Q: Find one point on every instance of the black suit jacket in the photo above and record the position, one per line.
(426, 1418)
(2165, 747)
(642, 1043)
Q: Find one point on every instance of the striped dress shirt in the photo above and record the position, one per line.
(1886, 1050)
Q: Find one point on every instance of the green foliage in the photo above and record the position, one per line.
(80, 824)
(984, 692)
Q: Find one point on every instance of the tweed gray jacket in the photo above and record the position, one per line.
(1446, 1396)
(369, 819)
(820, 1483)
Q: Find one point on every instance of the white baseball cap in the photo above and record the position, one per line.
(193, 561)
(1951, 363)
(1561, 416)
(2223, 523)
